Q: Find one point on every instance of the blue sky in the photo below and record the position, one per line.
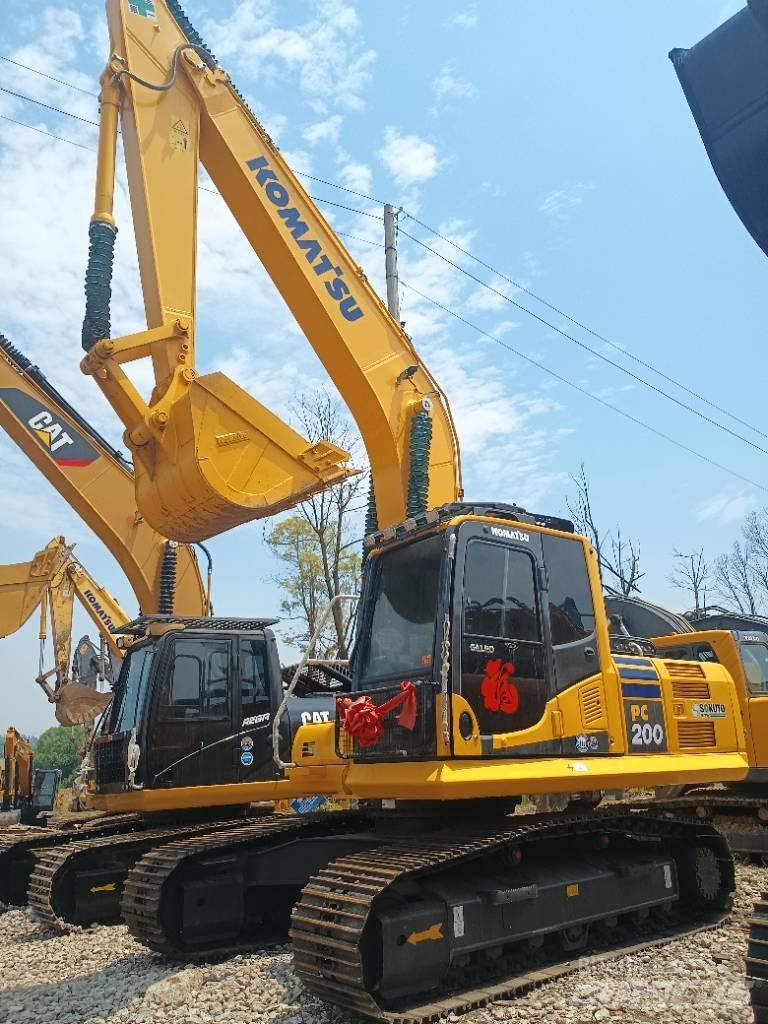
(553, 141)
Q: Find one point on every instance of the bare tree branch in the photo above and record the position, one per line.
(691, 574)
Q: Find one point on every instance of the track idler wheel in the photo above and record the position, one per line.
(702, 878)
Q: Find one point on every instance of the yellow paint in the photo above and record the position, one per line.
(107, 887)
(572, 889)
(431, 934)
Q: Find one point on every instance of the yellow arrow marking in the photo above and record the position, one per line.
(109, 887)
(432, 934)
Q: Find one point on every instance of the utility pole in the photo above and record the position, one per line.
(390, 259)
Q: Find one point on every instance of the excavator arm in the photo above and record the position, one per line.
(98, 483)
(52, 581)
(208, 456)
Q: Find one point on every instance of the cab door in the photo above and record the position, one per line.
(253, 743)
(502, 675)
(190, 739)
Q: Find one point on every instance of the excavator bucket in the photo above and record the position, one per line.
(77, 704)
(22, 585)
(224, 459)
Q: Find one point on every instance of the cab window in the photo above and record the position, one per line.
(253, 675)
(571, 612)
(402, 634)
(754, 658)
(198, 680)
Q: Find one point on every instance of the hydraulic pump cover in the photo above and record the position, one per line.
(725, 80)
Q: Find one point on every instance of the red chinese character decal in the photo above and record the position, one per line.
(499, 693)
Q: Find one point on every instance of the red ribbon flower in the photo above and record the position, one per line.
(364, 720)
(499, 693)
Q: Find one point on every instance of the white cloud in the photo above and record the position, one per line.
(484, 300)
(727, 508)
(325, 52)
(464, 19)
(409, 159)
(448, 85)
(358, 176)
(324, 131)
(558, 203)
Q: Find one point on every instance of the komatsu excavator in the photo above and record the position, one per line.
(482, 668)
(52, 580)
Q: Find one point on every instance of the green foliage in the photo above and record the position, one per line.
(61, 747)
(315, 566)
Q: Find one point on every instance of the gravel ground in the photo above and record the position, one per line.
(101, 975)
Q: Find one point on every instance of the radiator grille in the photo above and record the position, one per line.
(395, 742)
(695, 735)
(110, 758)
(591, 703)
(684, 669)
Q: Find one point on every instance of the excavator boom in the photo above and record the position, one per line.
(98, 483)
(209, 456)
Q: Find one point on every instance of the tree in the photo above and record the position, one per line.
(61, 747)
(734, 580)
(619, 559)
(691, 574)
(318, 545)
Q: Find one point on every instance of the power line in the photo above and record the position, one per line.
(50, 135)
(584, 327)
(342, 188)
(485, 285)
(47, 106)
(583, 345)
(583, 391)
(51, 78)
(71, 85)
(537, 298)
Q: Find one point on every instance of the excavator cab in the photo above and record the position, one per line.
(489, 612)
(193, 706)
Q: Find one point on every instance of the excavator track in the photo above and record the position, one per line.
(82, 882)
(747, 827)
(757, 960)
(17, 854)
(147, 894)
(338, 958)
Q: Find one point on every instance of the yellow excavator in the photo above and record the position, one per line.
(53, 580)
(26, 792)
(482, 668)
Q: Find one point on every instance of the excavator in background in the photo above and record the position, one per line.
(97, 482)
(52, 580)
(482, 668)
(740, 644)
(26, 792)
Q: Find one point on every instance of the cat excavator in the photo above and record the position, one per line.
(97, 482)
(52, 580)
(482, 668)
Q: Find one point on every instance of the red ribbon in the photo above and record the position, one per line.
(364, 720)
